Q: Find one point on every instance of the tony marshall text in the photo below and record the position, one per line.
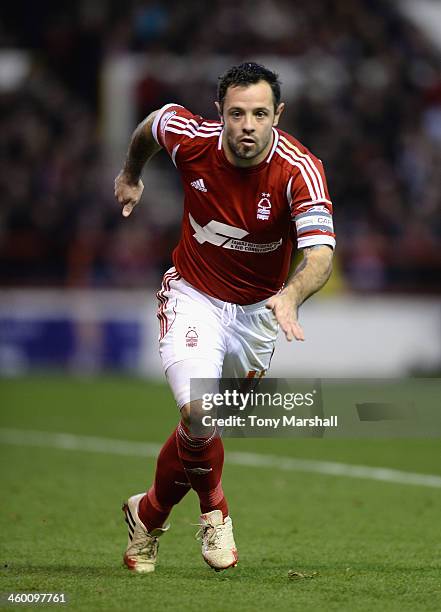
(274, 423)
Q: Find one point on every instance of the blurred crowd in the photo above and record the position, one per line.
(363, 92)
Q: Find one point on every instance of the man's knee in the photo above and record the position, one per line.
(191, 413)
(193, 417)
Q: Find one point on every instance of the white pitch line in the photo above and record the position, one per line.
(66, 441)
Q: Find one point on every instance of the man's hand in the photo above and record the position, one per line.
(284, 306)
(309, 276)
(128, 185)
(127, 192)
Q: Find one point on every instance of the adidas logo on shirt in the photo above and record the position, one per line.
(199, 184)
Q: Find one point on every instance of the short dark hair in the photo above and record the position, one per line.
(246, 74)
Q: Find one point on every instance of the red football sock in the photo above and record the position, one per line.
(203, 460)
(170, 486)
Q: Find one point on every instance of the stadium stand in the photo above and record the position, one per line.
(366, 98)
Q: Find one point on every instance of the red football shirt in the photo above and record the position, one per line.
(240, 224)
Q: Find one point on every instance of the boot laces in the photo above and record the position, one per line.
(148, 547)
(209, 533)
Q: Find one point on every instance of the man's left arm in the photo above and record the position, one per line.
(309, 277)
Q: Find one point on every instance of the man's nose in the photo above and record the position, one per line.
(248, 125)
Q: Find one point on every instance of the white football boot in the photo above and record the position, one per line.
(218, 547)
(142, 547)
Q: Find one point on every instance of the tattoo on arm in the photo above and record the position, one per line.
(142, 147)
(312, 272)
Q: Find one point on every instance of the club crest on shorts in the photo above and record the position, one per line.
(264, 207)
(191, 337)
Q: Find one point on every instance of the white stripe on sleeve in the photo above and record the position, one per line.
(158, 117)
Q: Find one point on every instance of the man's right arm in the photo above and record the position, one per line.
(128, 184)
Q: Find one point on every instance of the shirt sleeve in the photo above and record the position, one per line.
(173, 126)
(310, 204)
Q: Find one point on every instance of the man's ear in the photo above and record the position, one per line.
(278, 112)
(219, 111)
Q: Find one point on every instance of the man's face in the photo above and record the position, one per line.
(248, 116)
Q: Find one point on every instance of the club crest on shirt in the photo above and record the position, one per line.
(191, 337)
(264, 207)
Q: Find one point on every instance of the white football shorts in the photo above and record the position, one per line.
(203, 337)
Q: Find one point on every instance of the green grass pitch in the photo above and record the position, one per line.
(374, 545)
